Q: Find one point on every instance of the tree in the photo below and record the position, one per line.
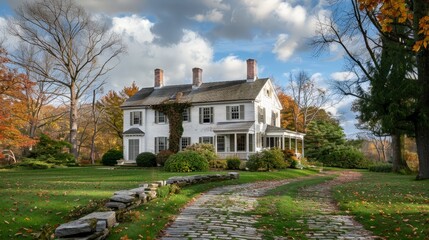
(39, 94)
(81, 49)
(322, 138)
(110, 106)
(288, 108)
(11, 98)
(384, 64)
(308, 97)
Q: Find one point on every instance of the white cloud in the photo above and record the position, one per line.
(210, 16)
(343, 76)
(133, 27)
(261, 9)
(284, 47)
(295, 15)
(177, 60)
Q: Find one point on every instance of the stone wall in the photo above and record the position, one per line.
(97, 224)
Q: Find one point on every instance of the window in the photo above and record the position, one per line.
(220, 143)
(206, 114)
(261, 115)
(161, 144)
(241, 142)
(186, 115)
(160, 117)
(133, 148)
(136, 118)
(206, 140)
(273, 119)
(235, 112)
(184, 142)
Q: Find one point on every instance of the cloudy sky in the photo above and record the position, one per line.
(217, 36)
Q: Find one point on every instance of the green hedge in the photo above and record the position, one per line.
(204, 149)
(218, 164)
(111, 156)
(233, 163)
(381, 168)
(146, 159)
(344, 157)
(266, 160)
(162, 157)
(186, 161)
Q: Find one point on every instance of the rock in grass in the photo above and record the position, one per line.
(115, 205)
(125, 192)
(122, 198)
(108, 217)
(76, 227)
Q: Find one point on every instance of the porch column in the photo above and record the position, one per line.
(283, 142)
(235, 142)
(215, 142)
(296, 145)
(247, 142)
(302, 146)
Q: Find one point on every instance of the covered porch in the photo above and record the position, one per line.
(284, 139)
(235, 139)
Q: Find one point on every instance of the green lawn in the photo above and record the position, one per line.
(390, 205)
(30, 199)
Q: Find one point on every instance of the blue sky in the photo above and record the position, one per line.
(217, 36)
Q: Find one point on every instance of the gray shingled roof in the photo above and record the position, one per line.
(233, 126)
(134, 131)
(207, 92)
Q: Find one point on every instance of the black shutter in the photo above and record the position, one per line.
(228, 113)
(201, 115)
(131, 118)
(140, 118)
(211, 115)
(241, 111)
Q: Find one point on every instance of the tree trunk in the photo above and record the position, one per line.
(421, 9)
(73, 122)
(397, 148)
(94, 133)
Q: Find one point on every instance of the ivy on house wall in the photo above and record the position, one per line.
(174, 111)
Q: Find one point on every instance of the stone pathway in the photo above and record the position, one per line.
(329, 223)
(220, 213)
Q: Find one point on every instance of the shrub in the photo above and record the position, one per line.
(290, 158)
(218, 163)
(162, 156)
(52, 151)
(111, 156)
(233, 163)
(345, 157)
(266, 160)
(35, 164)
(146, 159)
(186, 161)
(380, 168)
(204, 149)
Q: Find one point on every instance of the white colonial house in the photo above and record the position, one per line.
(238, 117)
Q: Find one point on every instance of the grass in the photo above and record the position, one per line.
(29, 199)
(281, 208)
(390, 205)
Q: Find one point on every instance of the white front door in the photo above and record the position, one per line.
(133, 148)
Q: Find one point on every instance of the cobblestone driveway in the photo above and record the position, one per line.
(218, 214)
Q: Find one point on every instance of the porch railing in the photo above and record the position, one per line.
(240, 155)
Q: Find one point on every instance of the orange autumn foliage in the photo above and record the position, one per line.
(12, 103)
(397, 12)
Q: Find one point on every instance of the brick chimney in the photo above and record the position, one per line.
(252, 70)
(159, 78)
(197, 77)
